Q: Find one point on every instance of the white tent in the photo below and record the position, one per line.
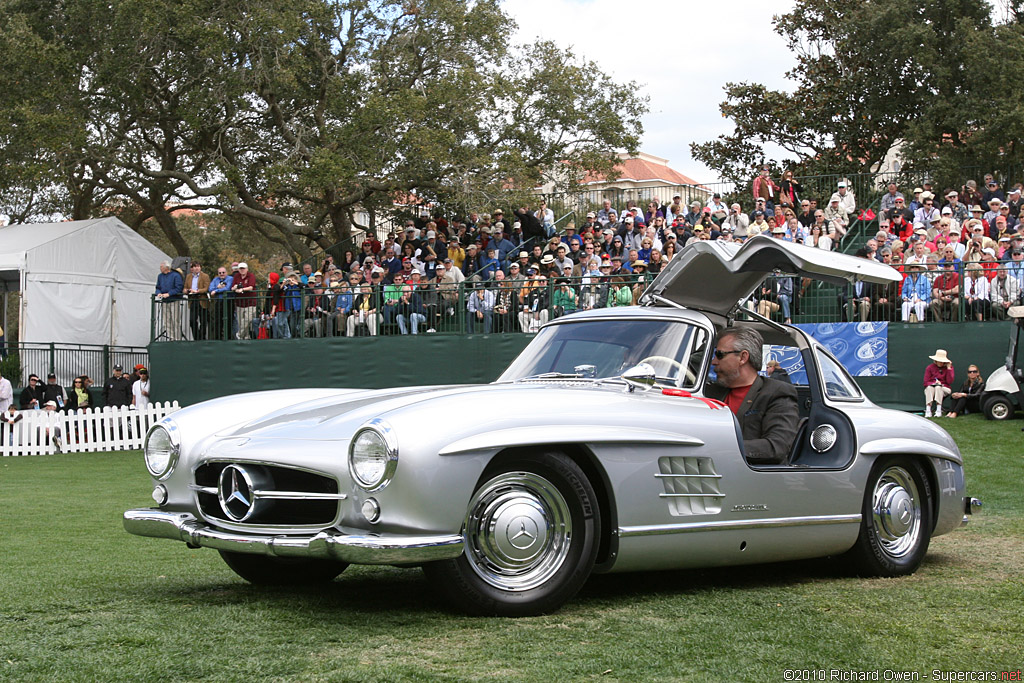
(81, 282)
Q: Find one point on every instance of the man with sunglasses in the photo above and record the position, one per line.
(140, 390)
(927, 212)
(766, 409)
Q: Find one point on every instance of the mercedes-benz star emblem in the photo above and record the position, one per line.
(523, 537)
(236, 493)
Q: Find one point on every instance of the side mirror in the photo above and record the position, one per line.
(640, 376)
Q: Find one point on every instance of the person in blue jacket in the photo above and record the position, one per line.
(169, 288)
(917, 292)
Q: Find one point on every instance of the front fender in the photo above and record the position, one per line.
(901, 446)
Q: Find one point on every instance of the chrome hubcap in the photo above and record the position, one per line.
(897, 512)
(518, 531)
(1000, 410)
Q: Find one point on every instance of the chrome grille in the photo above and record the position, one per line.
(285, 496)
(692, 486)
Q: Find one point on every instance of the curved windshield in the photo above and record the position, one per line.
(606, 348)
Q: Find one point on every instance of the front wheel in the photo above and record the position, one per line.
(896, 519)
(281, 571)
(998, 407)
(532, 532)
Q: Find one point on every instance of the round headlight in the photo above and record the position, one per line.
(161, 451)
(373, 457)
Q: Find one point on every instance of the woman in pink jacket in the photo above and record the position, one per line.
(938, 380)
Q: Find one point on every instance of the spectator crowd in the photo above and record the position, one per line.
(960, 251)
(119, 390)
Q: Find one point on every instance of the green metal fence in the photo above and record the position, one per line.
(67, 361)
(521, 305)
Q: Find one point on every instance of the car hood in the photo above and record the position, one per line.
(736, 271)
(336, 418)
(306, 420)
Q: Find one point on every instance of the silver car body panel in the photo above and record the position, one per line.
(679, 492)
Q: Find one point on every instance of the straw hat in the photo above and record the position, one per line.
(941, 357)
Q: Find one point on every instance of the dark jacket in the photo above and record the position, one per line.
(530, 225)
(29, 393)
(117, 391)
(73, 400)
(55, 392)
(768, 419)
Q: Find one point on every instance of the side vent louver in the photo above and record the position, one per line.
(692, 487)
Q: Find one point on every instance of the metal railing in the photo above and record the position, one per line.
(67, 361)
(968, 300)
(521, 305)
(442, 308)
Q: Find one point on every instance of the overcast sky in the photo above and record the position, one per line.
(682, 52)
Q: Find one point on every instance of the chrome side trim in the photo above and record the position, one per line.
(333, 543)
(691, 495)
(767, 523)
(659, 475)
(277, 495)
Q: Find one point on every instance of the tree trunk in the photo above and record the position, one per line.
(170, 230)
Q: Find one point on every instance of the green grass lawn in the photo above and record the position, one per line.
(80, 599)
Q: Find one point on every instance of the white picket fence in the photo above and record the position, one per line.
(91, 429)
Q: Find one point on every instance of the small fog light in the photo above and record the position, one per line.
(371, 510)
(160, 494)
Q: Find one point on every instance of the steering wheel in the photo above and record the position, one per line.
(672, 363)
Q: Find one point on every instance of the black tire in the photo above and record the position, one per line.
(896, 522)
(264, 570)
(547, 516)
(998, 407)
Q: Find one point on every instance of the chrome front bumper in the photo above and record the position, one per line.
(331, 544)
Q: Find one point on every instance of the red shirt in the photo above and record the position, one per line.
(734, 399)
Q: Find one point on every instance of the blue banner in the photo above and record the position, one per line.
(862, 348)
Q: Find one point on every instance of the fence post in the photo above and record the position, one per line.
(53, 358)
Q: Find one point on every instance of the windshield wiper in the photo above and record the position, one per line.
(553, 375)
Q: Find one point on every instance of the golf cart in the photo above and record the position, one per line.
(1003, 394)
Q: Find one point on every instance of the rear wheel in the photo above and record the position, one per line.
(998, 407)
(532, 533)
(896, 519)
(265, 570)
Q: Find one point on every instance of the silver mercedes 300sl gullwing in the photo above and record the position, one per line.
(598, 451)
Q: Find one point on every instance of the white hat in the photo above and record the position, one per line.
(628, 219)
(940, 356)
(989, 250)
(842, 183)
(946, 211)
(243, 264)
(431, 233)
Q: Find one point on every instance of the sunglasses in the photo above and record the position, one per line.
(722, 354)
